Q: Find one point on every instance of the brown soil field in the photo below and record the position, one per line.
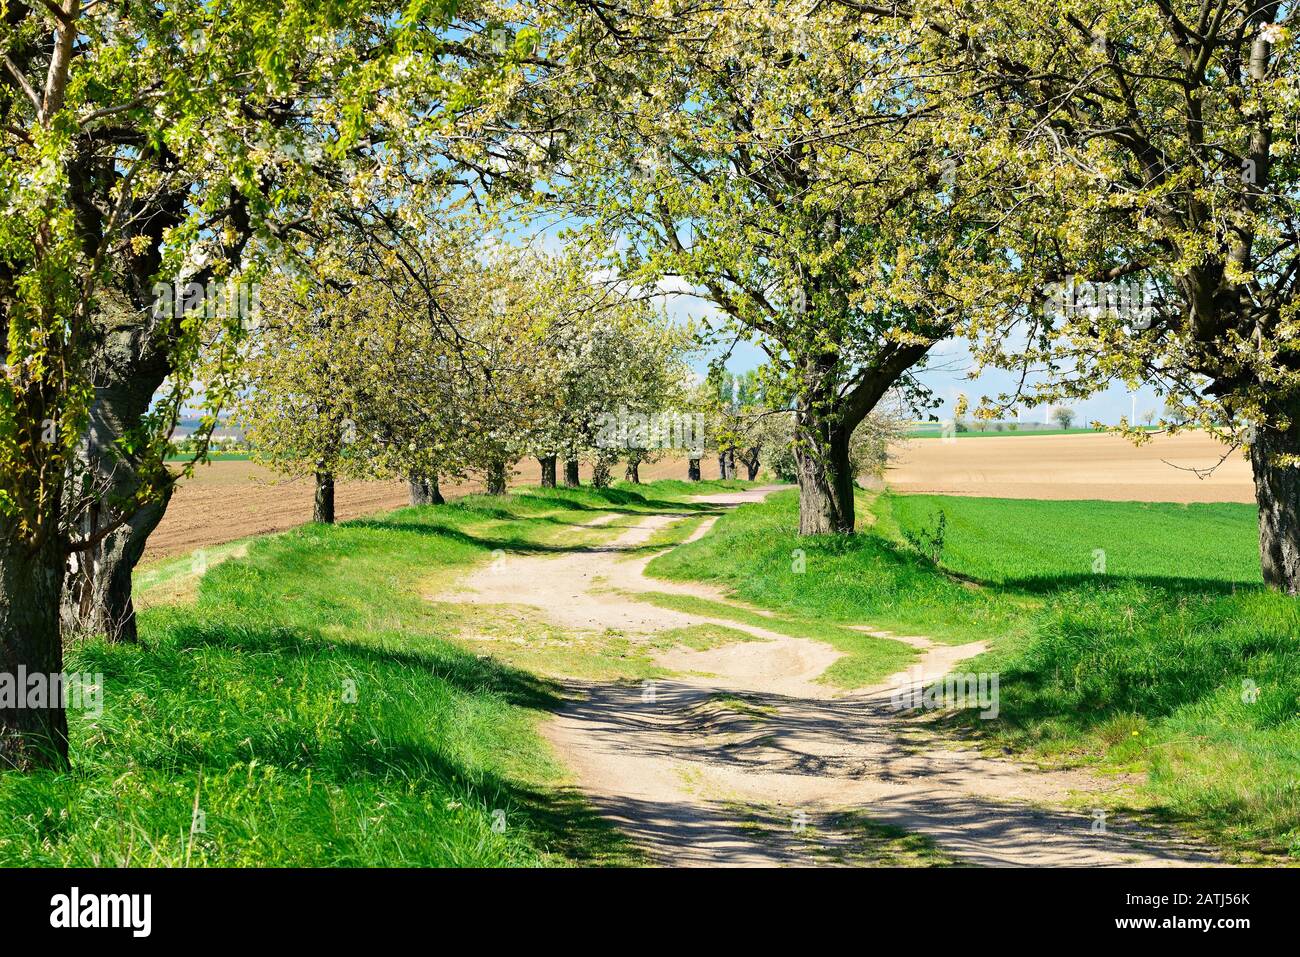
(1079, 466)
(228, 500)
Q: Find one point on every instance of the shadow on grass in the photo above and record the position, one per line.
(558, 819)
(1175, 586)
(627, 503)
(463, 671)
(492, 543)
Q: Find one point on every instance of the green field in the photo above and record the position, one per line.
(1174, 663)
(1037, 545)
(212, 457)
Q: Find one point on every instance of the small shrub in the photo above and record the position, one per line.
(929, 541)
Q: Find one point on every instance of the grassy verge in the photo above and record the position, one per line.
(1169, 660)
(316, 710)
(755, 553)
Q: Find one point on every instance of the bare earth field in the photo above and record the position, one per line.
(230, 500)
(1073, 467)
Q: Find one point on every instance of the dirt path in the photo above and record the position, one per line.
(745, 759)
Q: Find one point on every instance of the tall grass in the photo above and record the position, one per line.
(312, 710)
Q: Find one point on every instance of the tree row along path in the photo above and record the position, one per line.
(745, 759)
(228, 500)
(250, 499)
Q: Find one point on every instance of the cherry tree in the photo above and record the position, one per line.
(785, 162)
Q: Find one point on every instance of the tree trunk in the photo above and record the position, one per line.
(548, 470)
(1277, 491)
(324, 510)
(131, 361)
(33, 731)
(825, 478)
(600, 474)
(571, 473)
(751, 466)
(633, 473)
(97, 586)
(693, 470)
(496, 478)
(425, 491)
(97, 583)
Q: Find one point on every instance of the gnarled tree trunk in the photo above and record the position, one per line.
(825, 418)
(97, 583)
(600, 474)
(825, 478)
(131, 362)
(33, 733)
(324, 507)
(425, 491)
(693, 470)
(496, 478)
(751, 464)
(547, 463)
(571, 473)
(633, 473)
(1277, 492)
(97, 589)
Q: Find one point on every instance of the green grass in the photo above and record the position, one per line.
(670, 535)
(302, 692)
(1039, 545)
(514, 635)
(213, 457)
(1174, 663)
(702, 637)
(755, 552)
(242, 702)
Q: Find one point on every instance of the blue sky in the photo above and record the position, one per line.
(947, 375)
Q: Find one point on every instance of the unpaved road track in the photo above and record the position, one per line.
(747, 760)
